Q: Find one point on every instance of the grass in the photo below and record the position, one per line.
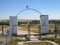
(52, 39)
(15, 41)
(35, 28)
(31, 43)
(37, 43)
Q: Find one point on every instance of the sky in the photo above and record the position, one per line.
(46, 7)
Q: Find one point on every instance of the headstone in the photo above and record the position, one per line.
(13, 23)
(44, 24)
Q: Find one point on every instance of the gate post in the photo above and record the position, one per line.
(44, 24)
(13, 23)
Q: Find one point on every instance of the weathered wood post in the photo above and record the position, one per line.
(56, 26)
(28, 36)
(2, 28)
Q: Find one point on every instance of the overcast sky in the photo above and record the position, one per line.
(46, 7)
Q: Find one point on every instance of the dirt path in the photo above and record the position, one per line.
(21, 43)
(33, 38)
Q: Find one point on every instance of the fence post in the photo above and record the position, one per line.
(2, 28)
(39, 32)
(55, 30)
(28, 31)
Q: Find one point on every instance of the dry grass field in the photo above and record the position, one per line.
(35, 28)
(4, 27)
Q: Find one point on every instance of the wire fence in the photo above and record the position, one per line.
(36, 28)
(32, 29)
(4, 38)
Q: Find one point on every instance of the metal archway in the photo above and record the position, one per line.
(27, 8)
(43, 26)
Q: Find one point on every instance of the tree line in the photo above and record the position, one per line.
(32, 22)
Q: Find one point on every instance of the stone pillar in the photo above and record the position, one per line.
(13, 23)
(44, 24)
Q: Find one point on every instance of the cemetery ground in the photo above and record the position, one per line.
(42, 41)
(35, 29)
